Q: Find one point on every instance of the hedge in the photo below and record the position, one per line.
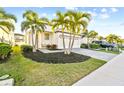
(53, 46)
(84, 46)
(94, 46)
(26, 48)
(5, 50)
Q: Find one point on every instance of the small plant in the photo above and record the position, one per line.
(53, 46)
(16, 49)
(84, 46)
(94, 46)
(26, 48)
(48, 46)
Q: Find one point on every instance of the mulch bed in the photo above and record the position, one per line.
(58, 57)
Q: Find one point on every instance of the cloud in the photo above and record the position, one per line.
(71, 8)
(122, 24)
(104, 16)
(54, 15)
(92, 13)
(103, 10)
(94, 9)
(114, 9)
(44, 14)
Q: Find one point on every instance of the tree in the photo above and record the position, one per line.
(100, 37)
(112, 38)
(35, 24)
(77, 22)
(86, 34)
(60, 22)
(92, 35)
(6, 21)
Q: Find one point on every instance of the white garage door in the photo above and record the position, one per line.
(76, 42)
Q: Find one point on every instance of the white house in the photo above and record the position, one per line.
(19, 39)
(50, 37)
(7, 36)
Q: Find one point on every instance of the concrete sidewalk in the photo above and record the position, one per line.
(110, 74)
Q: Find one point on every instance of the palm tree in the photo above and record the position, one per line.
(92, 35)
(6, 21)
(35, 24)
(111, 38)
(86, 34)
(100, 37)
(60, 22)
(78, 22)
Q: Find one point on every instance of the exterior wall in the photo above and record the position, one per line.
(42, 42)
(19, 39)
(54, 38)
(84, 40)
(28, 38)
(7, 37)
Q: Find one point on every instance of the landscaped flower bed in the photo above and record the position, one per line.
(58, 57)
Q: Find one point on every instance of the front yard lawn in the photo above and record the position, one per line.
(113, 52)
(28, 72)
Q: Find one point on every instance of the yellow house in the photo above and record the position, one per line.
(50, 37)
(19, 39)
(7, 36)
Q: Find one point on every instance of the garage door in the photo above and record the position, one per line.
(76, 42)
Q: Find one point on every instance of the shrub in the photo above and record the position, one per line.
(84, 46)
(48, 46)
(94, 46)
(26, 48)
(4, 44)
(5, 50)
(53, 46)
(16, 49)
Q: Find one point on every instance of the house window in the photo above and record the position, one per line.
(46, 36)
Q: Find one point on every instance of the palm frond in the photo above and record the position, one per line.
(9, 25)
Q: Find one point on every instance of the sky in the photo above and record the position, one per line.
(105, 20)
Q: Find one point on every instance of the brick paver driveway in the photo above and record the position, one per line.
(95, 54)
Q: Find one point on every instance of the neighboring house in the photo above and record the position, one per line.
(50, 37)
(7, 36)
(19, 39)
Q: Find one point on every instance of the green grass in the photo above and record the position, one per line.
(113, 52)
(28, 72)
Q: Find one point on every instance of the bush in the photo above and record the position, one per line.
(53, 46)
(94, 46)
(84, 46)
(16, 49)
(5, 50)
(26, 48)
(48, 46)
(4, 44)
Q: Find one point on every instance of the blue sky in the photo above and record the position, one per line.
(105, 20)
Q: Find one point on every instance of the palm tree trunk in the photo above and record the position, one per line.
(63, 38)
(33, 44)
(72, 41)
(88, 42)
(69, 47)
(36, 41)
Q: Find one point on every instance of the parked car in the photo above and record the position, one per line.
(104, 44)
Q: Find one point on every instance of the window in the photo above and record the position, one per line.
(46, 36)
